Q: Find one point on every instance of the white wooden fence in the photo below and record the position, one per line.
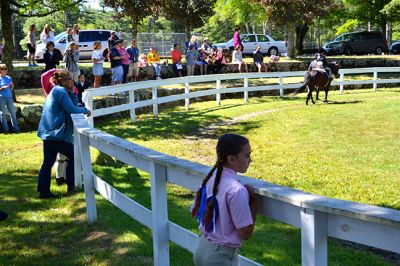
(281, 85)
(318, 217)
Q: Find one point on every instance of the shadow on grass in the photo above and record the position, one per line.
(344, 102)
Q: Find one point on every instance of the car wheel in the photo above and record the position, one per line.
(347, 50)
(378, 50)
(273, 51)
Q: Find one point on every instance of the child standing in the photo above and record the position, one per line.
(98, 59)
(32, 45)
(81, 86)
(191, 59)
(6, 100)
(226, 210)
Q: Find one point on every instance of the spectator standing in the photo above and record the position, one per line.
(125, 60)
(81, 86)
(225, 209)
(32, 45)
(191, 59)
(51, 57)
(133, 52)
(177, 60)
(116, 64)
(70, 38)
(192, 41)
(47, 34)
(215, 60)
(258, 59)
(97, 59)
(237, 58)
(56, 129)
(236, 38)
(75, 37)
(6, 101)
(70, 61)
(154, 59)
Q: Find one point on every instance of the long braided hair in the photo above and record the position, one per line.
(206, 208)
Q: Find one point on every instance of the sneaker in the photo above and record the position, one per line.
(35, 65)
(30, 65)
(158, 78)
(61, 181)
(46, 195)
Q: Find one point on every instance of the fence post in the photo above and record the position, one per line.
(88, 179)
(89, 105)
(159, 213)
(155, 105)
(375, 86)
(187, 103)
(341, 83)
(280, 86)
(131, 101)
(314, 238)
(77, 160)
(218, 95)
(246, 93)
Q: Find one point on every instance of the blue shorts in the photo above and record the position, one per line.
(117, 74)
(98, 69)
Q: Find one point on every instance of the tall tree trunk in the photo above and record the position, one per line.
(254, 28)
(264, 24)
(247, 27)
(389, 33)
(134, 29)
(187, 30)
(291, 40)
(301, 31)
(7, 29)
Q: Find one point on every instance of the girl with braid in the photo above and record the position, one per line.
(226, 209)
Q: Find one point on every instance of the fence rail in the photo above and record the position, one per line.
(280, 86)
(318, 217)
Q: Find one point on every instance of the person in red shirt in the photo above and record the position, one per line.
(176, 60)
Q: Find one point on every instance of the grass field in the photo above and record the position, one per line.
(345, 149)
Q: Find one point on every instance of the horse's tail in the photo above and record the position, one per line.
(304, 85)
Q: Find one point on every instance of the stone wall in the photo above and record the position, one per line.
(30, 78)
(29, 116)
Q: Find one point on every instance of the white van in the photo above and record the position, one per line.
(86, 40)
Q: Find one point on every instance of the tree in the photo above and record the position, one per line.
(392, 10)
(291, 13)
(26, 8)
(191, 13)
(136, 10)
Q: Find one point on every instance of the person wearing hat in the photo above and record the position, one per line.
(206, 46)
(154, 59)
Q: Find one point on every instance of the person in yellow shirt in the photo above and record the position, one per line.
(154, 60)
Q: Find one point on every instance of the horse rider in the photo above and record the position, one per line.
(320, 63)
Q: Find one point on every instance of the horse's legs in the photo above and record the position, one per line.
(317, 92)
(326, 91)
(309, 95)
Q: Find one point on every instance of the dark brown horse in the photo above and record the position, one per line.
(320, 79)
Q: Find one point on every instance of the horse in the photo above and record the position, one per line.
(318, 78)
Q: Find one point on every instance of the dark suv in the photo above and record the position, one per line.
(364, 42)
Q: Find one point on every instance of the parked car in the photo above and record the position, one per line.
(250, 42)
(364, 42)
(395, 48)
(86, 40)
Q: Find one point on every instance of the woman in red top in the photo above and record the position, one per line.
(176, 60)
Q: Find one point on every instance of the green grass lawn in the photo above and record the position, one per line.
(345, 149)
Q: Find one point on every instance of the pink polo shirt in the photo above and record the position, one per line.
(234, 210)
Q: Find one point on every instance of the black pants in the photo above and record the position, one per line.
(50, 150)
